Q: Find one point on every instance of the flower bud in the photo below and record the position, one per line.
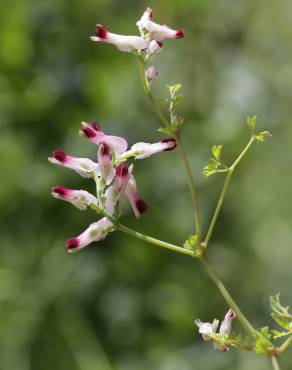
(151, 74)
(154, 48)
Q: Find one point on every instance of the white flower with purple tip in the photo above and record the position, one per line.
(144, 150)
(83, 166)
(93, 132)
(138, 204)
(105, 163)
(208, 330)
(79, 198)
(157, 31)
(118, 188)
(95, 232)
(123, 43)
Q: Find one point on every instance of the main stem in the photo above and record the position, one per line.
(230, 301)
(275, 363)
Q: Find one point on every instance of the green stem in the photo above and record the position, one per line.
(149, 94)
(242, 154)
(154, 241)
(218, 208)
(181, 148)
(231, 303)
(191, 187)
(224, 190)
(275, 363)
(285, 345)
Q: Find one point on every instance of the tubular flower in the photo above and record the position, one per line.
(151, 74)
(95, 232)
(157, 31)
(138, 204)
(207, 328)
(208, 331)
(115, 191)
(83, 166)
(105, 163)
(123, 43)
(93, 133)
(144, 150)
(79, 198)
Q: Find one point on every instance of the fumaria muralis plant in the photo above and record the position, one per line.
(115, 180)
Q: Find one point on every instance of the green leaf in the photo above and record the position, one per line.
(251, 122)
(191, 242)
(216, 151)
(263, 344)
(261, 137)
(280, 313)
(173, 89)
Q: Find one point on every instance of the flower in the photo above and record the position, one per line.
(138, 204)
(105, 163)
(95, 232)
(92, 131)
(207, 328)
(83, 166)
(157, 31)
(123, 43)
(79, 198)
(151, 73)
(208, 331)
(115, 191)
(144, 150)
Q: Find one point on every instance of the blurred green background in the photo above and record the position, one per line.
(122, 304)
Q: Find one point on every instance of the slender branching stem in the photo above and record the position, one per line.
(192, 188)
(275, 363)
(154, 241)
(161, 116)
(218, 208)
(224, 190)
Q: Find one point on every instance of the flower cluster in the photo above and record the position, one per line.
(150, 42)
(208, 331)
(114, 180)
